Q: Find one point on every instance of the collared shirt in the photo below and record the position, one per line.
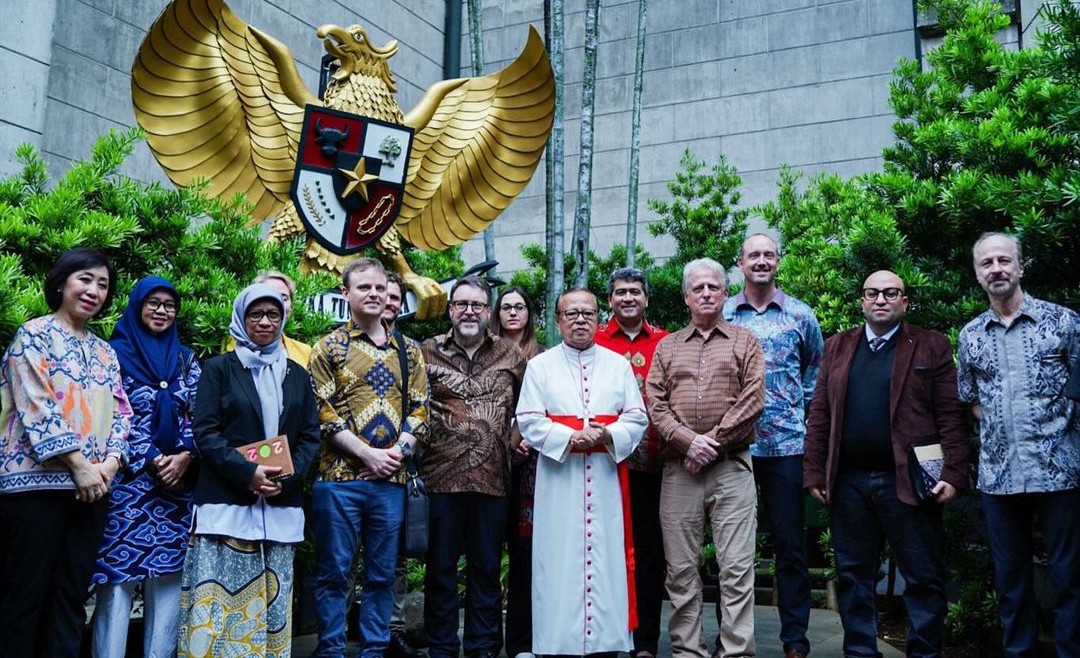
(1030, 432)
(639, 352)
(709, 383)
(472, 403)
(358, 388)
(791, 339)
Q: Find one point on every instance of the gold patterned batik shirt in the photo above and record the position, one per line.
(358, 388)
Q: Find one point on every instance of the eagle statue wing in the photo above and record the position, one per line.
(222, 101)
(477, 143)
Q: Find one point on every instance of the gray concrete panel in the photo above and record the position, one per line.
(27, 29)
(836, 22)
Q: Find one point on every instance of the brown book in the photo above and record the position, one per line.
(270, 452)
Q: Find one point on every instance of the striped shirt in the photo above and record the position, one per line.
(709, 383)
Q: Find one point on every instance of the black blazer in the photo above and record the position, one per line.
(228, 415)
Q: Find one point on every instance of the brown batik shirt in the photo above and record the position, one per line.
(467, 447)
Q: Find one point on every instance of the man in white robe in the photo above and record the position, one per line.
(581, 409)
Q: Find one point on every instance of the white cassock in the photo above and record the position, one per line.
(580, 600)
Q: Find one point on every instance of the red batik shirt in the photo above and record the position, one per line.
(639, 352)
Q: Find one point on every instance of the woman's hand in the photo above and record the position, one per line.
(171, 468)
(262, 484)
(90, 483)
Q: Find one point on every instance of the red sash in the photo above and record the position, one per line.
(575, 423)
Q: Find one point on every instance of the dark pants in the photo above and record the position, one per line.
(1010, 520)
(519, 575)
(648, 557)
(344, 514)
(864, 511)
(780, 481)
(48, 548)
(473, 524)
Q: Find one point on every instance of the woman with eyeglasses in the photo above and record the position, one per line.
(150, 504)
(65, 423)
(236, 590)
(515, 322)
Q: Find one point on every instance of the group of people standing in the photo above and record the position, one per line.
(600, 462)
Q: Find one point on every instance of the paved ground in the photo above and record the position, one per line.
(826, 635)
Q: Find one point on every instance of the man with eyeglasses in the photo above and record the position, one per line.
(706, 392)
(630, 334)
(792, 343)
(1014, 364)
(581, 410)
(475, 378)
(372, 416)
(884, 388)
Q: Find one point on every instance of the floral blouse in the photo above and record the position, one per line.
(59, 393)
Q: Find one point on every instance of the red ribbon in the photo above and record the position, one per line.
(576, 423)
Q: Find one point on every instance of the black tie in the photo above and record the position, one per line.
(876, 342)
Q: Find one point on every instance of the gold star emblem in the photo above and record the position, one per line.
(358, 179)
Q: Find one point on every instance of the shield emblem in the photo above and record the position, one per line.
(349, 178)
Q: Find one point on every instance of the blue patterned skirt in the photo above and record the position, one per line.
(236, 599)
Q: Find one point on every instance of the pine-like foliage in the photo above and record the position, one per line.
(203, 246)
(987, 139)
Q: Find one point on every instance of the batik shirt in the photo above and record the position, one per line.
(60, 393)
(791, 339)
(358, 388)
(1030, 432)
(146, 535)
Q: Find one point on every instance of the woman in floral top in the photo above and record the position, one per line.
(150, 507)
(64, 434)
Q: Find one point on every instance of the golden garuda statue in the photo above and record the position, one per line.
(222, 101)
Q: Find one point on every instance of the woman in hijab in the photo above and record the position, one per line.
(149, 506)
(236, 591)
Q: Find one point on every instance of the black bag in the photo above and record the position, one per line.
(1072, 386)
(414, 530)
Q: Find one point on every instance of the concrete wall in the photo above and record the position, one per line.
(766, 82)
(72, 63)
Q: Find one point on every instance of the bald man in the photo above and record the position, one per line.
(884, 387)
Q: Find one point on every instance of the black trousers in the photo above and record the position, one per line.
(648, 556)
(519, 575)
(473, 524)
(49, 544)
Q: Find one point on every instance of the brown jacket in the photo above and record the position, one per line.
(923, 404)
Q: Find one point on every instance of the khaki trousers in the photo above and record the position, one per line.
(725, 495)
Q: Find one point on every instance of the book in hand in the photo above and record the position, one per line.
(273, 452)
(925, 464)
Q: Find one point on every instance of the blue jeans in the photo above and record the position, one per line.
(344, 513)
(780, 481)
(473, 524)
(1009, 521)
(864, 511)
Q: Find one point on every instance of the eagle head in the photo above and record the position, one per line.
(356, 54)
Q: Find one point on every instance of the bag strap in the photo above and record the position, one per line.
(403, 363)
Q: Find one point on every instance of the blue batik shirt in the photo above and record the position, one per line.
(1030, 432)
(791, 338)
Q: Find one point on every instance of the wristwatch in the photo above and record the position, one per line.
(406, 449)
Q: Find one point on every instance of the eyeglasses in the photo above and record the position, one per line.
(516, 308)
(461, 305)
(891, 294)
(257, 316)
(573, 314)
(155, 304)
